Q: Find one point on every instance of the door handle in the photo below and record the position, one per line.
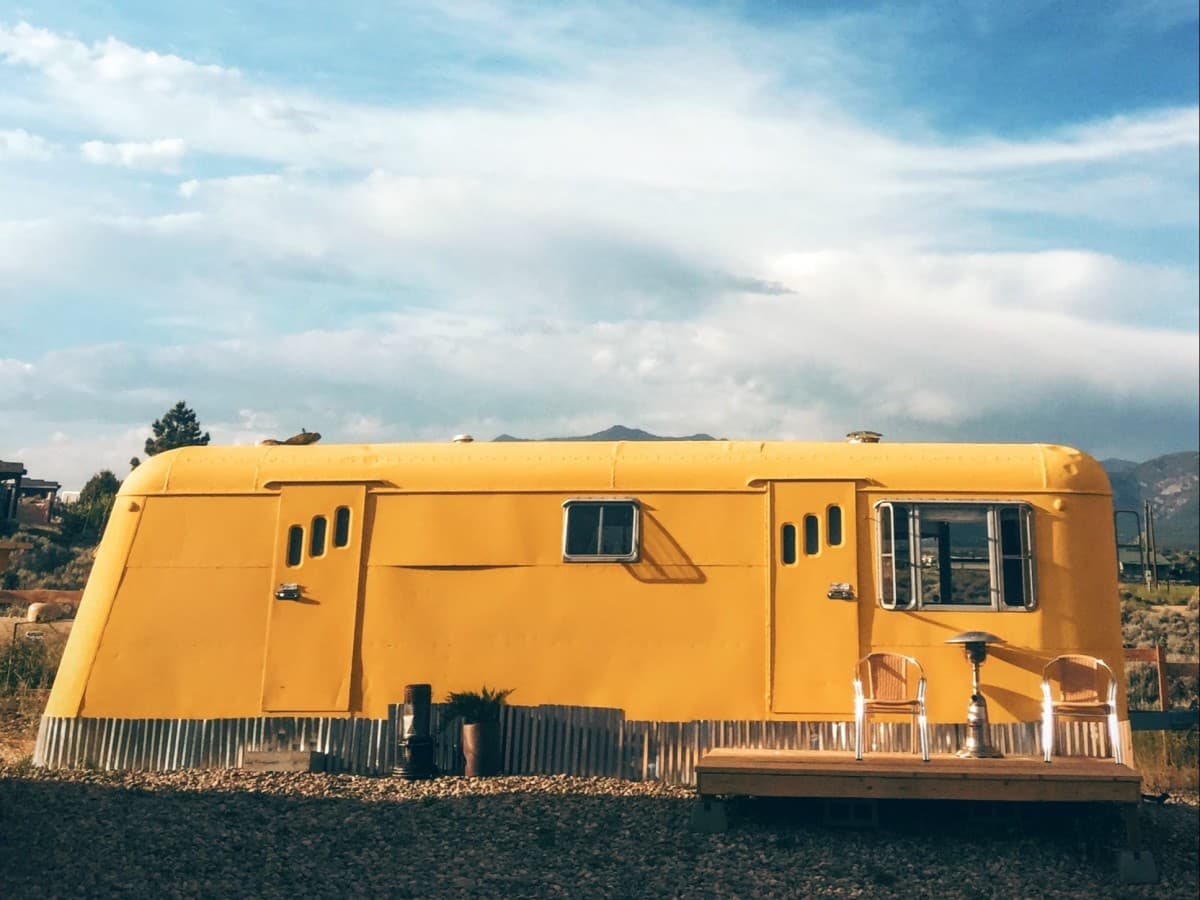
(289, 591)
(840, 590)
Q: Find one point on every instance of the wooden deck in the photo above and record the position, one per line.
(892, 776)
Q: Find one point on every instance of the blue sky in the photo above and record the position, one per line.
(402, 221)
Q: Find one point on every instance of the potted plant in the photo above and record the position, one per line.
(479, 712)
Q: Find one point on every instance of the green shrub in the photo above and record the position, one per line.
(1176, 628)
(474, 707)
(52, 562)
(1142, 680)
(1167, 759)
(28, 665)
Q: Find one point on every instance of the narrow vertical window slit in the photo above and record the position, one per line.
(341, 526)
(295, 545)
(317, 543)
(812, 535)
(787, 542)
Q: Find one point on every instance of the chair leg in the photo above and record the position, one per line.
(1047, 735)
(859, 725)
(924, 725)
(1114, 738)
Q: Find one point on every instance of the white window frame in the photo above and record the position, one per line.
(885, 555)
(636, 537)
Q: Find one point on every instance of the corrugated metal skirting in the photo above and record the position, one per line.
(541, 740)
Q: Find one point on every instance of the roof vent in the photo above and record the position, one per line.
(864, 437)
(462, 439)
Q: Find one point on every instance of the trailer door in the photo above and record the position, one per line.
(815, 636)
(315, 586)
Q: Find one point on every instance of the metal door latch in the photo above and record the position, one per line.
(841, 590)
(287, 592)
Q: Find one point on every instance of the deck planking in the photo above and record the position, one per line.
(894, 776)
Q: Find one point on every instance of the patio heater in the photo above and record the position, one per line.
(978, 745)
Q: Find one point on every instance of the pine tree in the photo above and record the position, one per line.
(177, 428)
(102, 486)
(86, 517)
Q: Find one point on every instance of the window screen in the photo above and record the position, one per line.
(600, 530)
(955, 568)
(955, 556)
(1016, 563)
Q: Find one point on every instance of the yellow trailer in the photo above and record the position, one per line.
(676, 581)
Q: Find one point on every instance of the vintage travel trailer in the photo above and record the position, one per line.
(720, 581)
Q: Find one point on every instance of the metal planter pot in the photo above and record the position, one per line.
(481, 749)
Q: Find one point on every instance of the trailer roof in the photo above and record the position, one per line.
(575, 467)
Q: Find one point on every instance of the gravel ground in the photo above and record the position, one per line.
(204, 833)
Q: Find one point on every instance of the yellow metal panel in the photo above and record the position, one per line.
(685, 632)
(682, 531)
(200, 532)
(679, 531)
(95, 607)
(589, 634)
(310, 640)
(815, 639)
(649, 466)
(182, 645)
(466, 529)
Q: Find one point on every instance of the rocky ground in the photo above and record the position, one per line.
(236, 834)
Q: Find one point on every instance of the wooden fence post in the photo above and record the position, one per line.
(1160, 662)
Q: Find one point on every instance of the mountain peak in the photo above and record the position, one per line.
(1171, 485)
(615, 433)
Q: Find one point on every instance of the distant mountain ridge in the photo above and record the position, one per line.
(1171, 484)
(616, 433)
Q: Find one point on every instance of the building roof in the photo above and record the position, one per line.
(37, 484)
(1131, 556)
(11, 469)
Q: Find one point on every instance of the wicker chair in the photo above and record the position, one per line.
(1087, 689)
(885, 690)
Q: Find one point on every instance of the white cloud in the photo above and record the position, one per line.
(137, 94)
(162, 155)
(660, 235)
(694, 112)
(1116, 138)
(918, 348)
(69, 61)
(17, 143)
(72, 455)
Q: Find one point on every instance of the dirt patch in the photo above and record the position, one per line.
(20, 713)
(22, 699)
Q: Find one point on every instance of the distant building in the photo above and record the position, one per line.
(1131, 563)
(29, 501)
(10, 486)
